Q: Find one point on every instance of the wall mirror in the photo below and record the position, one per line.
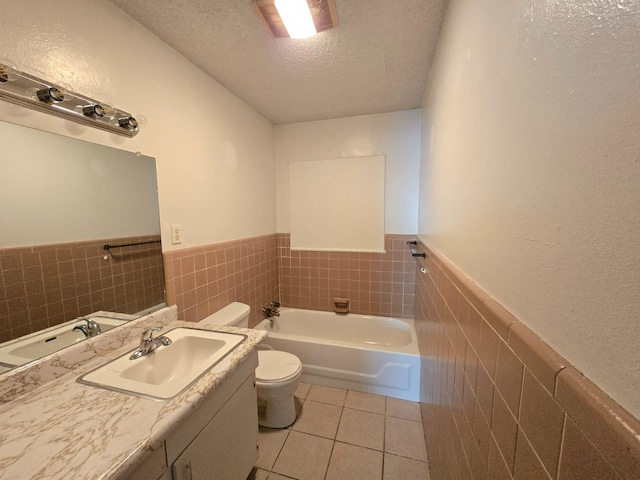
(61, 200)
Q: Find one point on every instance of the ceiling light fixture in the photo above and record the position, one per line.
(296, 18)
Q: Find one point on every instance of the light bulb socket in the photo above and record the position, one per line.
(8, 70)
(129, 123)
(50, 95)
(93, 111)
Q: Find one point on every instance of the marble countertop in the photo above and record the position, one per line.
(63, 429)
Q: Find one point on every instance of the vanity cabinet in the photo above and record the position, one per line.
(218, 440)
(226, 448)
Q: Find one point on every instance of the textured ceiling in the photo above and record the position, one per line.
(377, 59)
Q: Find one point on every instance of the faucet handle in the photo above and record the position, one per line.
(147, 335)
(275, 305)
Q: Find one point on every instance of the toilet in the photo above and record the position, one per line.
(277, 375)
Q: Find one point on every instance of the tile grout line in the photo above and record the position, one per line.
(334, 440)
(333, 445)
(384, 437)
(564, 431)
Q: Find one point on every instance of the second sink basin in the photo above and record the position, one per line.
(170, 369)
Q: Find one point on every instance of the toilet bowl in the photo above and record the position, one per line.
(277, 375)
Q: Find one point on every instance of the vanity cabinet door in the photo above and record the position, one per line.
(226, 449)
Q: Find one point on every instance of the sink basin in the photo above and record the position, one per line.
(170, 369)
(34, 346)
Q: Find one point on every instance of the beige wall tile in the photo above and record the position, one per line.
(488, 352)
(613, 430)
(509, 374)
(45, 285)
(377, 284)
(504, 428)
(540, 358)
(527, 465)
(497, 316)
(581, 459)
(542, 420)
(243, 270)
(498, 469)
(484, 392)
(479, 464)
(482, 439)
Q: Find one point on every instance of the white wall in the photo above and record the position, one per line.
(530, 179)
(396, 135)
(214, 153)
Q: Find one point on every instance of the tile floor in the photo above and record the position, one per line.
(345, 435)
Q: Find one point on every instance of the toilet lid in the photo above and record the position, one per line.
(276, 366)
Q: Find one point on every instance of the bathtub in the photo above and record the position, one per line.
(356, 352)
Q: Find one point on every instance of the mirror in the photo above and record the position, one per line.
(61, 201)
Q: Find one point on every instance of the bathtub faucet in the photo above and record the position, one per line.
(270, 312)
(91, 329)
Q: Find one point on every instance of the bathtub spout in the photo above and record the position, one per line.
(270, 312)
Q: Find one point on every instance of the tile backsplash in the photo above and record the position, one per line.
(258, 270)
(376, 283)
(44, 285)
(499, 403)
(201, 280)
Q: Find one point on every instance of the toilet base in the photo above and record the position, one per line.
(276, 412)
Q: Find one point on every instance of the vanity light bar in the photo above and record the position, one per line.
(32, 92)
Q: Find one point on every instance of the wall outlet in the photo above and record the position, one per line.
(176, 234)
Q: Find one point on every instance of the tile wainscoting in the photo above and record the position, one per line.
(498, 403)
(44, 285)
(377, 283)
(201, 280)
(258, 270)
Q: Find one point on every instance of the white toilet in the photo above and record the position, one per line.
(277, 375)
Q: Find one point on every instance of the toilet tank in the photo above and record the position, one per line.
(235, 314)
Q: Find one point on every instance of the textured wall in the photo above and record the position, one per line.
(530, 171)
(395, 135)
(214, 153)
(500, 404)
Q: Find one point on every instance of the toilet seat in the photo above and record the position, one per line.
(275, 366)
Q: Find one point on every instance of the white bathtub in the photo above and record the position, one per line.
(356, 352)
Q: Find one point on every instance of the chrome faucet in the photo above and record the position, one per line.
(148, 344)
(91, 329)
(271, 311)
